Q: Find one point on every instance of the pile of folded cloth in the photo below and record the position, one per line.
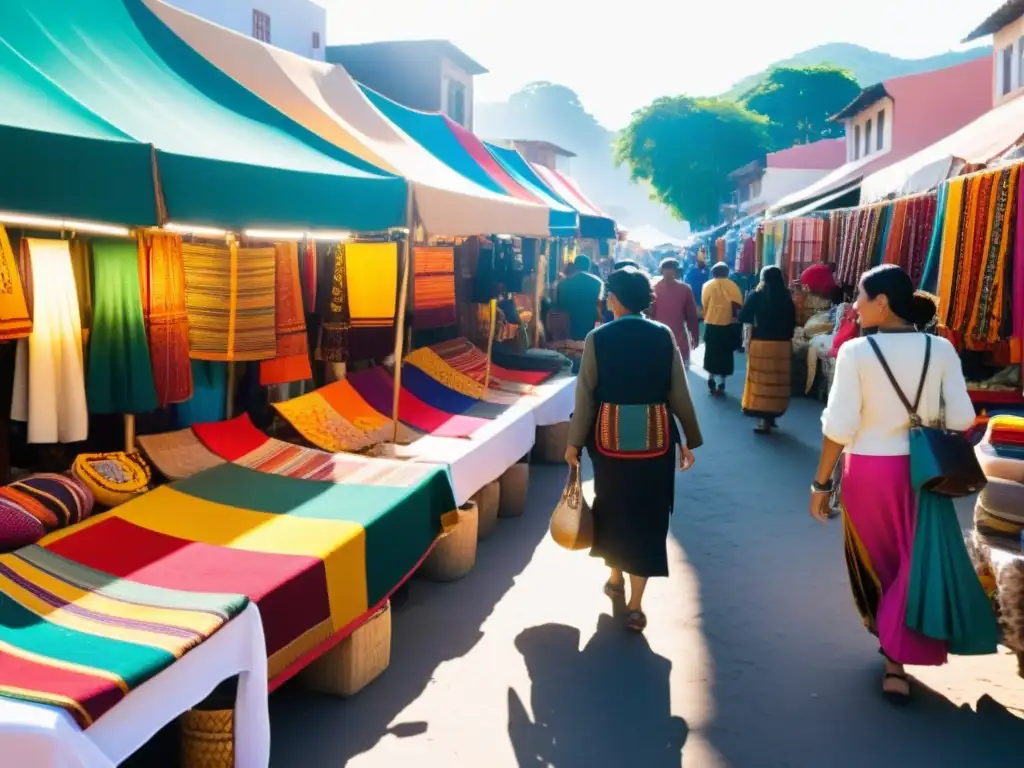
(1000, 506)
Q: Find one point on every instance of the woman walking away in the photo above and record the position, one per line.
(675, 306)
(631, 383)
(722, 333)
(771, 312)
(868, 424)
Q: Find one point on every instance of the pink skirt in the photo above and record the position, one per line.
(880, 516)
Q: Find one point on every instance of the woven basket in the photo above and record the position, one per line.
(355, 662)
(514, 485)
(551, 443)
(454, 555)
(487, 499)
(208, 738)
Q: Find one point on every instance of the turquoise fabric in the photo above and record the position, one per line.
(225, 157)
(60, 159)
(564, 219)
(632, 428)
(930, 277)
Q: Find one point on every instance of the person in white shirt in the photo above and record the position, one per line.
(867, 423)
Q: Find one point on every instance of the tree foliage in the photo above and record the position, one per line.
(686, 147)
(798, 102)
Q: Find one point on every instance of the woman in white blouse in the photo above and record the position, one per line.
(866, 422)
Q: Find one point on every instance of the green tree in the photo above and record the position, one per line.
(685, 148)
(798, 102)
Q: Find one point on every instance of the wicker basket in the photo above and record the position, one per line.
(487, 499)
(514, 485)
(551, 443)
(208, 738)
(454, 555)
(356, 661)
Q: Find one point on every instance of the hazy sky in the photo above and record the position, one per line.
(622, 58)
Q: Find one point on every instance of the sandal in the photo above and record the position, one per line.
(898, 698)
(615, 591)
(636, 621)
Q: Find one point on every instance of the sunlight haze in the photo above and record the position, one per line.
(619, 61)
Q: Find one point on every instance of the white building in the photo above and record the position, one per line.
(299, 26)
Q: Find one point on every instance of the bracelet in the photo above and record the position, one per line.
(817, 487)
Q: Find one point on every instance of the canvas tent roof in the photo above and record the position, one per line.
(45, 134)
(564, 218)
(432, 131)
(324, 98)
(593, 223)
(225, 157)
(981, 141)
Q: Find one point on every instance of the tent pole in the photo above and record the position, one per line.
(403, 301)
(539, 275)
(490, 344)
(229, 396)
(129, 432)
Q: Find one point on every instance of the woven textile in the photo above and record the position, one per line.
(230, 301)
(38, 504)
(15, 322)
(769, 368)
(333, 345)
(433, 287)
(371, 276)
(292, 360)
(163, 282)
(179, 454)
(113, 478)
(428, 361)
(94, 637)
(120, 376)
(316, 557)
(466, 358)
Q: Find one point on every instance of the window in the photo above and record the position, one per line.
(1006, 81)
(755, 189)
(457, 102)
(1020, 62)
(261, 25)
(880, 122)
(868, 135)
(316, 41)
(856, 142)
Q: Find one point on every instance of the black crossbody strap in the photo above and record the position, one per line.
(911, 409)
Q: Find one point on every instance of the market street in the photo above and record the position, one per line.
(754, 655)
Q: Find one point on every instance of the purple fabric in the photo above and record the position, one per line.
(881, 507)
(675, 306)
(1018, 267)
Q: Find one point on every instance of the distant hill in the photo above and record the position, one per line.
(869, 67)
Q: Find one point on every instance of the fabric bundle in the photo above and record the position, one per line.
(35, 505)
(292, 360)
(333, 344)
(230, 301)
(49, 383)
(433, 287)
(371, 275)
(163, 280)
(113, 478)
(120, 372)
(15, 322)
(1006, 436)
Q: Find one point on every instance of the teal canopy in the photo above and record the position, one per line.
(565, 221)
(225, 157)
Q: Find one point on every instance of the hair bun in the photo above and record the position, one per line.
(924, 308)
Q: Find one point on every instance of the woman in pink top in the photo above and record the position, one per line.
(675, 306)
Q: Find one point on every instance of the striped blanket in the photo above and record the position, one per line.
(230, 309)
(82, 638)
(316, 558)
(433, 287)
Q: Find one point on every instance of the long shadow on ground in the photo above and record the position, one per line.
(424, 635)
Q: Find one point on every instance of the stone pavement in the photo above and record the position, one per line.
(754, 655)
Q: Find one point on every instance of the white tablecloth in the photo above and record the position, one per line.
(38, 736)
(553, 401)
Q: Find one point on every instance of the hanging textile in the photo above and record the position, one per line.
(371, 276)
(806, 241)
(163, 303)
(308, 273)
(81, 265)
(15, 322)
(229, 294)
(120, 376)
(209, 395)
(49, 385)
(433, 288)
(333, 345)
(292, 360)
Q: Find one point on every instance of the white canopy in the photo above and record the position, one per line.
(323, 98)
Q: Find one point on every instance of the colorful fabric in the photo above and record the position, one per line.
(75, 638)
(292, 360)
(377, 387)
(333, 345)
(315, 557)
(632, 431)
(229, 294)
(163, 280)
(231, 439)
(15, 322)
(437, 395)
(209, 394)
(769, 369)
(308, 273)
(371, 275)
(120, 372)
(113, 478)
(433, 287)
(428, 361)
(35, 505)
(462, 355)
(179, 454)
(49, 378)
(81, 265)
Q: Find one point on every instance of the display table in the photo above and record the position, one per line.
(47, 737)
(553, 401)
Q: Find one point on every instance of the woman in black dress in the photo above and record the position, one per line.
(631, 384)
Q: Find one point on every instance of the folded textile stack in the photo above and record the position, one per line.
(1000, 506)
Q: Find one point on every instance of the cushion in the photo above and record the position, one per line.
(32, 507)
(113, 478)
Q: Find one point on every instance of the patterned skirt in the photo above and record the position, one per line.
(769, 368)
